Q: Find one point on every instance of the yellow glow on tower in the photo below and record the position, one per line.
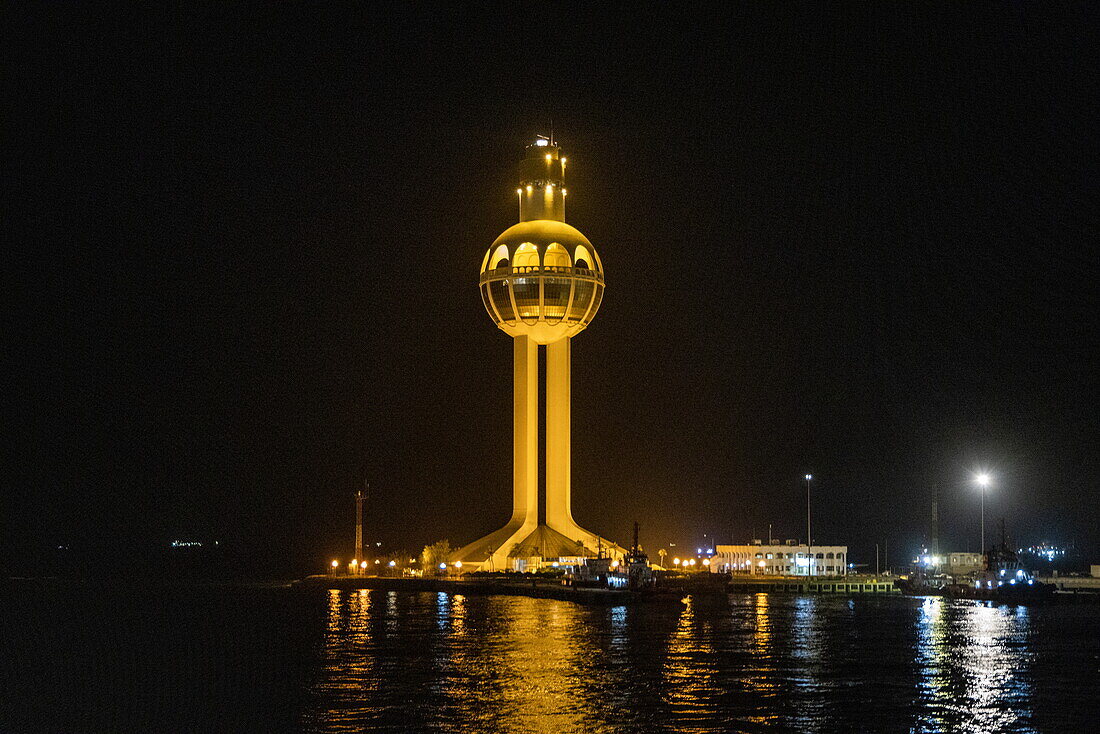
(542, 284)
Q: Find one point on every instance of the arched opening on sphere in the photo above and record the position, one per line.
(556, 290)
(526, 287)
(527, 256)
(500, 258)
(582, 258)
(556, 257)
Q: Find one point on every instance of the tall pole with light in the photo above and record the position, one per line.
(359, 520)
(983, 482)
(809, 542)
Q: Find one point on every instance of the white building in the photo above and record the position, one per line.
(960, 564)
(780, 559)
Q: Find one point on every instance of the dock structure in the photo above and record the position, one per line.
(554, 588)
(845, 586)
(1074, 584)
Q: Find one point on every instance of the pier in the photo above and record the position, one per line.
(549, 588)
(845, 586)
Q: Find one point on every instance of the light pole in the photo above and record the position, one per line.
(809, 542)
(983, 482)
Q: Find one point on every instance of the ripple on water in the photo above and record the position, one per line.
(401, 662)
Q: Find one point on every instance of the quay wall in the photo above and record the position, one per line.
(552, 589)
(846, 586)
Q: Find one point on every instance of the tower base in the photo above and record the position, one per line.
(500, 550)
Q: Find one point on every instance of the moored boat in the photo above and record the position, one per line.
(1003, 579)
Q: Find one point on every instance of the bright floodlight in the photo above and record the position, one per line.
(983, 480)
(809, 476)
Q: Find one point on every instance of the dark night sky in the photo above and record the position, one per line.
(859, 241)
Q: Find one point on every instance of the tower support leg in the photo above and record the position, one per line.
(559, 511)
(525, 433)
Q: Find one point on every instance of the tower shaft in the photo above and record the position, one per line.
(525, 433)
(558, 426)
(559, 509)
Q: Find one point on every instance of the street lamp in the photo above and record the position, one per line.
(983, 482)
(809, 543)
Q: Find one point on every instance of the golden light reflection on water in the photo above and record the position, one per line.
(760, 678)
(439, 662)
(762, 681)
(542, 666)
(690, 670)
(348, 676)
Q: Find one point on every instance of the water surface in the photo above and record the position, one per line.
(84, 658)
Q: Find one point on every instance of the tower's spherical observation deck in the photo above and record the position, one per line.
(543, 279)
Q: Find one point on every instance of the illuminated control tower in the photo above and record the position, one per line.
(541, 282)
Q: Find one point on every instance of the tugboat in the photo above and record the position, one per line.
(631, 573)
(1004, 579)
(635, 572)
